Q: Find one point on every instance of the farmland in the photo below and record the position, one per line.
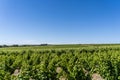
(60, 62)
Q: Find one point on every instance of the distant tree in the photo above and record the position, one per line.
(15, 45)
(5, 46)
(44, 44)
(0, 46)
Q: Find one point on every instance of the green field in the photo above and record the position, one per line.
(61, 62)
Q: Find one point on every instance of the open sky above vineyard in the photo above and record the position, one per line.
(59, 21)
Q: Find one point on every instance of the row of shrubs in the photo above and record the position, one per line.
(67, 64)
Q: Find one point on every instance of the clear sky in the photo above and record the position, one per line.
(59, 21)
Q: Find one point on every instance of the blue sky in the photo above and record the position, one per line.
(59, 21)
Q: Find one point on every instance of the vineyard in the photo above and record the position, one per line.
(60, 62)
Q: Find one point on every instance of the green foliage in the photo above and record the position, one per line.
(78, 63)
